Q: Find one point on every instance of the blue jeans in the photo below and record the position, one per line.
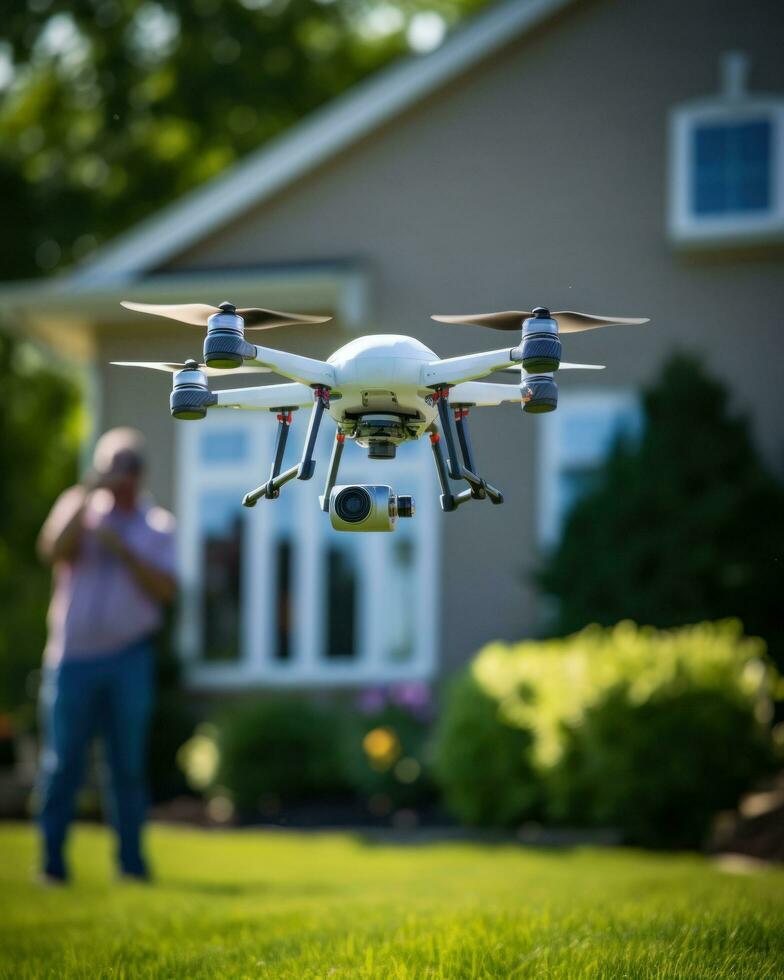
(110, 695)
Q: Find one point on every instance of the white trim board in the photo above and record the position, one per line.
(305, 146)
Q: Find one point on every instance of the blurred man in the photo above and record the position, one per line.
(113, 563)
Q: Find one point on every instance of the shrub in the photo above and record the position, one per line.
(651, 731)
(39, 437)
(172, 723)
(385, 748)
(483, 762)
(659, 769)
(267, 754)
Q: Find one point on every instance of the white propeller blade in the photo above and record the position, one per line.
(197, 314)
(568, 320)
(172, 367)
(566, 366)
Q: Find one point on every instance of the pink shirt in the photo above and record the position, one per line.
(97, 605)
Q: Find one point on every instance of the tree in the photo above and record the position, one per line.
(38, 440)
(112, 109)
(683, 527)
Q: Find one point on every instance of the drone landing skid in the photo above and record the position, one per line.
(332, 472)
(478, 488)
(306, 466)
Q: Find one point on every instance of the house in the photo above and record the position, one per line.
(584, 154)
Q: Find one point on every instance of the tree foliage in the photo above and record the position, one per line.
(38, 438)
(683, 527)
(115, 107)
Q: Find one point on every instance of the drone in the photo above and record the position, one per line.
(381, 391)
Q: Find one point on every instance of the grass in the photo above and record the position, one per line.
(285, 905)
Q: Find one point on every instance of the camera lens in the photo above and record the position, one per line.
(353, 504)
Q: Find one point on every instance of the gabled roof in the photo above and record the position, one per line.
(310, 143)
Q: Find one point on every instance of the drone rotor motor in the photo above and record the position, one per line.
(540, 346)
(541, 393)
(225, 344)
(190, 395)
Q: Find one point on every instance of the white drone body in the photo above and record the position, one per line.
(380, 390)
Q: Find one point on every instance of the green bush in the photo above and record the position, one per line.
(483, 763)
(384, 753)
(267, 754)
(649, 731)
(659, 769)
(39, 436)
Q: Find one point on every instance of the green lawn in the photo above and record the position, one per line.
(274, 904)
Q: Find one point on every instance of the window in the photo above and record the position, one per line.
(273, 595)
(574, 442)
(222, 551)
(732, 167)
(727, 171)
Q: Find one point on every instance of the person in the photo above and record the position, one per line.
(112, 555)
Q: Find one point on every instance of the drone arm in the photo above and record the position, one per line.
(484, 393)
(454, 370)
(266, 396)
(306, 370)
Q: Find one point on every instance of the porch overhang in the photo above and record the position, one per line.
(67, 318)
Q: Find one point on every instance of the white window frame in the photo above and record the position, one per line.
(551, 454)
(256, 666)
(687, 228)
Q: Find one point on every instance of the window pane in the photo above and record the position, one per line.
(587, 435)
(224, 446)
(402, 597)
(342, 597)
(280, 515)
(732, 167)
(221, 521)
(576, 482)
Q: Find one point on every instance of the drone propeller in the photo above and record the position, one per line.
(197, 314)
(172, 367)
(565, 366)
(568, 321)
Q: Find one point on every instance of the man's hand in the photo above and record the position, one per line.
(112, 541)
(159, 585)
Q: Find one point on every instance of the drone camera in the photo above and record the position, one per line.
(190, 395)
(543, 393)
(367, 508)
(225, 345)
(540, 347)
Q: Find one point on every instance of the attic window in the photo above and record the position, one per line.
(727, 165)
(731, 167)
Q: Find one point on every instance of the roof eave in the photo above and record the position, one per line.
(65, 316)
